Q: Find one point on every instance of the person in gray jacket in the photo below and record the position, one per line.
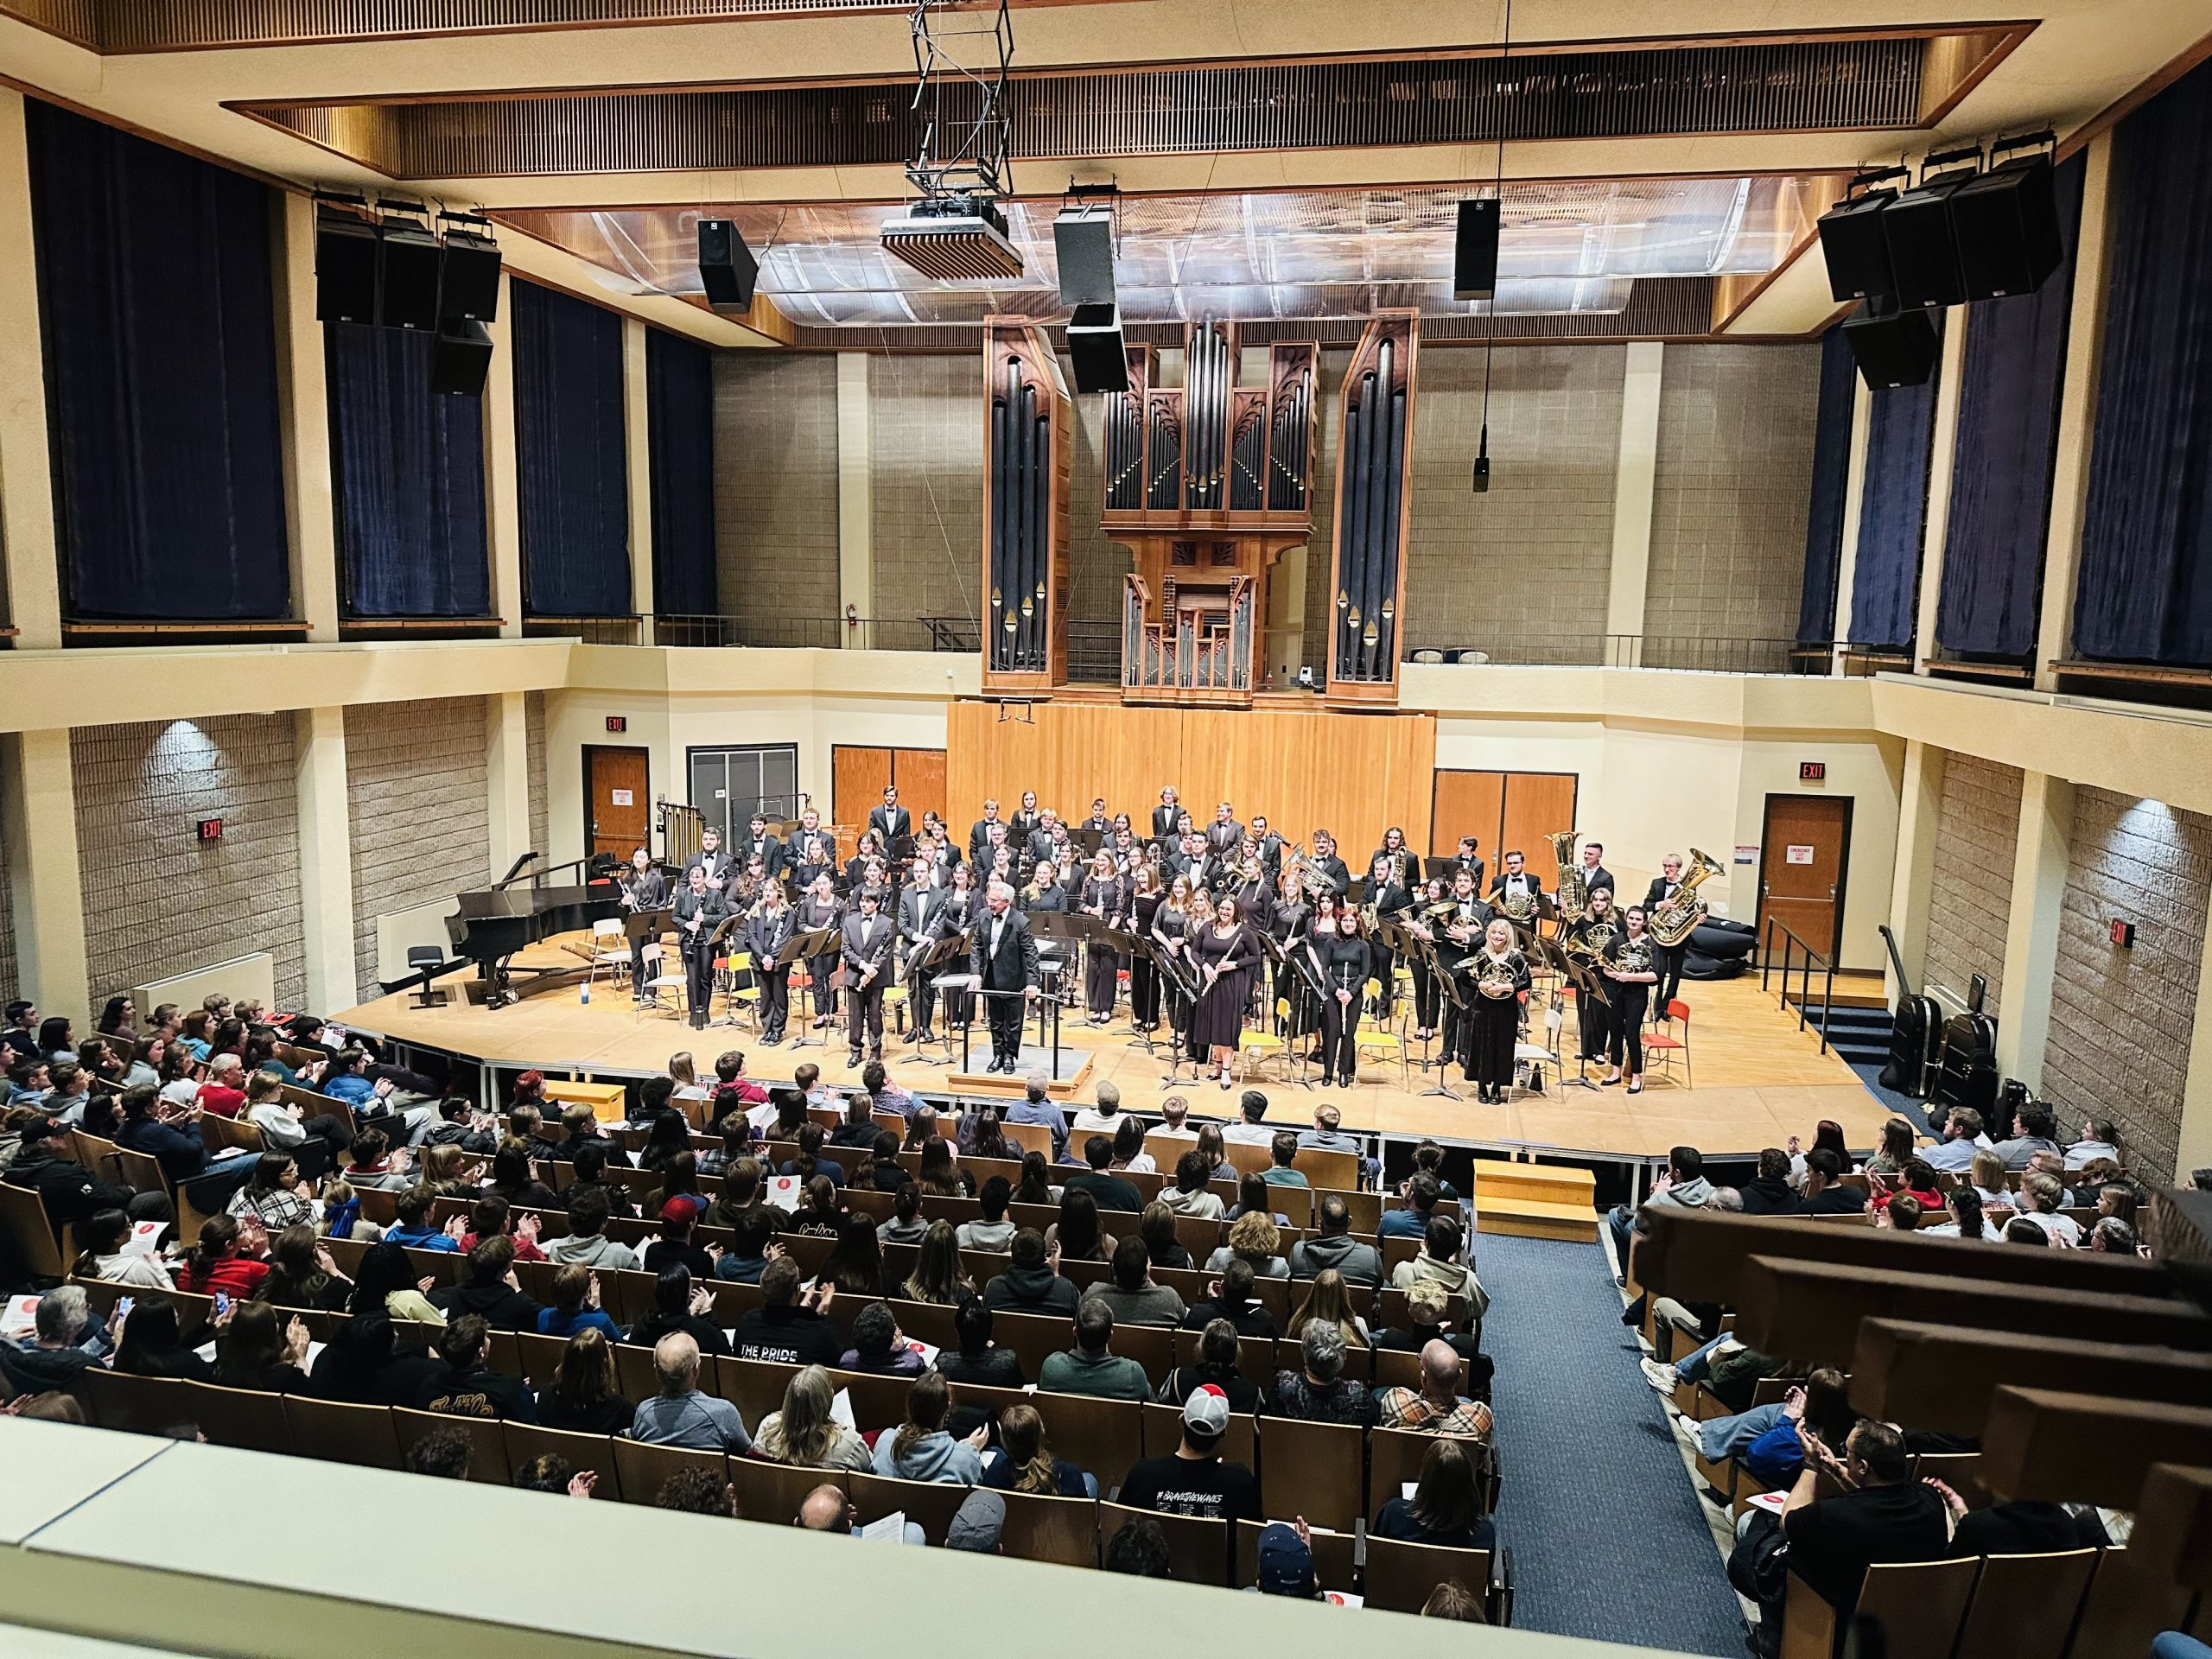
(1333, 1246)
(681, 1415)
(1131, 1292)
(585, 1244)
(921, 1450)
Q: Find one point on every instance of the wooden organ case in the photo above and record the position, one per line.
(1028, 439)
(1207, 486)
(1374, 509)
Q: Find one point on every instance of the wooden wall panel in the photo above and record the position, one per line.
(1536, 803)
(857, 778)
(1353, 775)
(919, 774)
(1467, 804)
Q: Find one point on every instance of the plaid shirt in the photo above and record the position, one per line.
(276, 1209)
(1409, 1409)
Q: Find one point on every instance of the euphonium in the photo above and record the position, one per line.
(1574, 897)
(1672, 922)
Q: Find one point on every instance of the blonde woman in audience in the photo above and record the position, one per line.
(937, 1277)
(1986, 1175)
(2043, 1194)
(804, 1434)
(1253, 1238)
(1328, 1302)
(686, 1076)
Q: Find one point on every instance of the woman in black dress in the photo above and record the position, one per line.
(819, 909)
(1145, 899)
(1105, 897)
(1630, 971)
(1341, 959)
(1227, 954)
(1289, 925)
(957, 916)
(1172, 926)
(1499, 977)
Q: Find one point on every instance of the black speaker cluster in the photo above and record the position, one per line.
(1963, 232)
(393, 266)
(1474, 249)
(727, 270)
(1082, 247)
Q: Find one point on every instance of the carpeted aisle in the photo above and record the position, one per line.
(1608, 1542)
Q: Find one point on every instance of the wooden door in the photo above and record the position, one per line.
(1467, 804)
(919, 774)
(1537, 804)
(1804, 858)
(617, 799)
(858, 777)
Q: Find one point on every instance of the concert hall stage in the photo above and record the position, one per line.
(1759, 1079)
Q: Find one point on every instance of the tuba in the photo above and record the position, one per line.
(1573, 896)
(1672, 922)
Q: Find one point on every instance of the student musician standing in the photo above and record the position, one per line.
(698, 913)
(1499, 974)
(1342, 961)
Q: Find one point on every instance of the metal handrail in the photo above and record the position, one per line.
(1791, 945)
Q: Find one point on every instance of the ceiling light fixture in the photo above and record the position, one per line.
(963, 162)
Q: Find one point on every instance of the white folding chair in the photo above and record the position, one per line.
(610, 949)
(656, 966)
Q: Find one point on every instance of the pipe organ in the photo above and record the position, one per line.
(1207, 485)
(1027, 445)
(1373, 510)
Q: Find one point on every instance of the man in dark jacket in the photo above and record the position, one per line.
(1333, 1246)
(489, 1291)
(789, 1329)
(1111, 1192)
(72, 1194)
(465, 1387)
(1825, 1192)
(1032, 1284)
(65, 1341)
(1770, 1194)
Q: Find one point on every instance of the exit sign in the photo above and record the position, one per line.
(1812, 772)
(2123, 934)
(211, 829)
(618, 723)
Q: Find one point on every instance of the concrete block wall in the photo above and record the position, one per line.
(1970, 900)
(925, 438)
(776, 492)
(11, 965)
(1733, 482)
(1521, 571)
(159, 900)
(2120, 1020)
(419, 798)
(534, 721)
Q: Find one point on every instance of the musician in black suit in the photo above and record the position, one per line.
(979, 837)
(643, 890)
(892, 821)
(1195, 864)
(1326, 863)
(1385, 899)
(1516, 878)
(813, 851)
(1668, 959)
(1166, 815)
(867, 938)
(1269, 845)
(1224, 833)
(1458, 934)
(1042, 842)
(921, 912)
(759, 844)
(721, 867)
(1098, 821)
(698, 911)
(1004, 959)
(1594, 872)
(1466, 858)
(767, 930)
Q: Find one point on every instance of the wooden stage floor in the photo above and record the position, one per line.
(1758, 1079)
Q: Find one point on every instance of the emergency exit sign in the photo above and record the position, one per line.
(1812, 772)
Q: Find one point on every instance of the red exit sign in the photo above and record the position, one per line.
(2123, 934)
(1812, 772)
(618, 723)
(211, 829)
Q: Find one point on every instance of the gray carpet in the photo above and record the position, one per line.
(1608, 1541)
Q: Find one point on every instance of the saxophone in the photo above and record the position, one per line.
(1672, 922)
(1574, 888)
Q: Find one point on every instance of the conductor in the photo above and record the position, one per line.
(1004, 959)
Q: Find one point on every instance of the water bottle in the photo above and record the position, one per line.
(584, 995)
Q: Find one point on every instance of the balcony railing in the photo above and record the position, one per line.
(1694, 653)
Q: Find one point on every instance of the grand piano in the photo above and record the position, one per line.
(529, 904)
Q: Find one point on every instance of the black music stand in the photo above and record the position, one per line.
(1067, 931)
(1089, 840)
(1447, 981)
(1295, 958)
(819, 942)
(973, 984)
(953, 946)
(1586, 985)
(1171, 975)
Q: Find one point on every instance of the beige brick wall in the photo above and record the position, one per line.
(158, 900)
(1970, 898)
(1521, 571)
(926, 440)
(1734, 478)
(534, 727)
(2121, 1019)
(418, 794)
(776, 494)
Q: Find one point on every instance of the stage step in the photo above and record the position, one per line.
(1535, 1200)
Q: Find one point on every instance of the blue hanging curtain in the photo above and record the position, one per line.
(2015, 365)
(568, 450)
(157, 301)
(407, 464)
(1892, 514)
(2144, 587)
(1831, 475)
(680, 417)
